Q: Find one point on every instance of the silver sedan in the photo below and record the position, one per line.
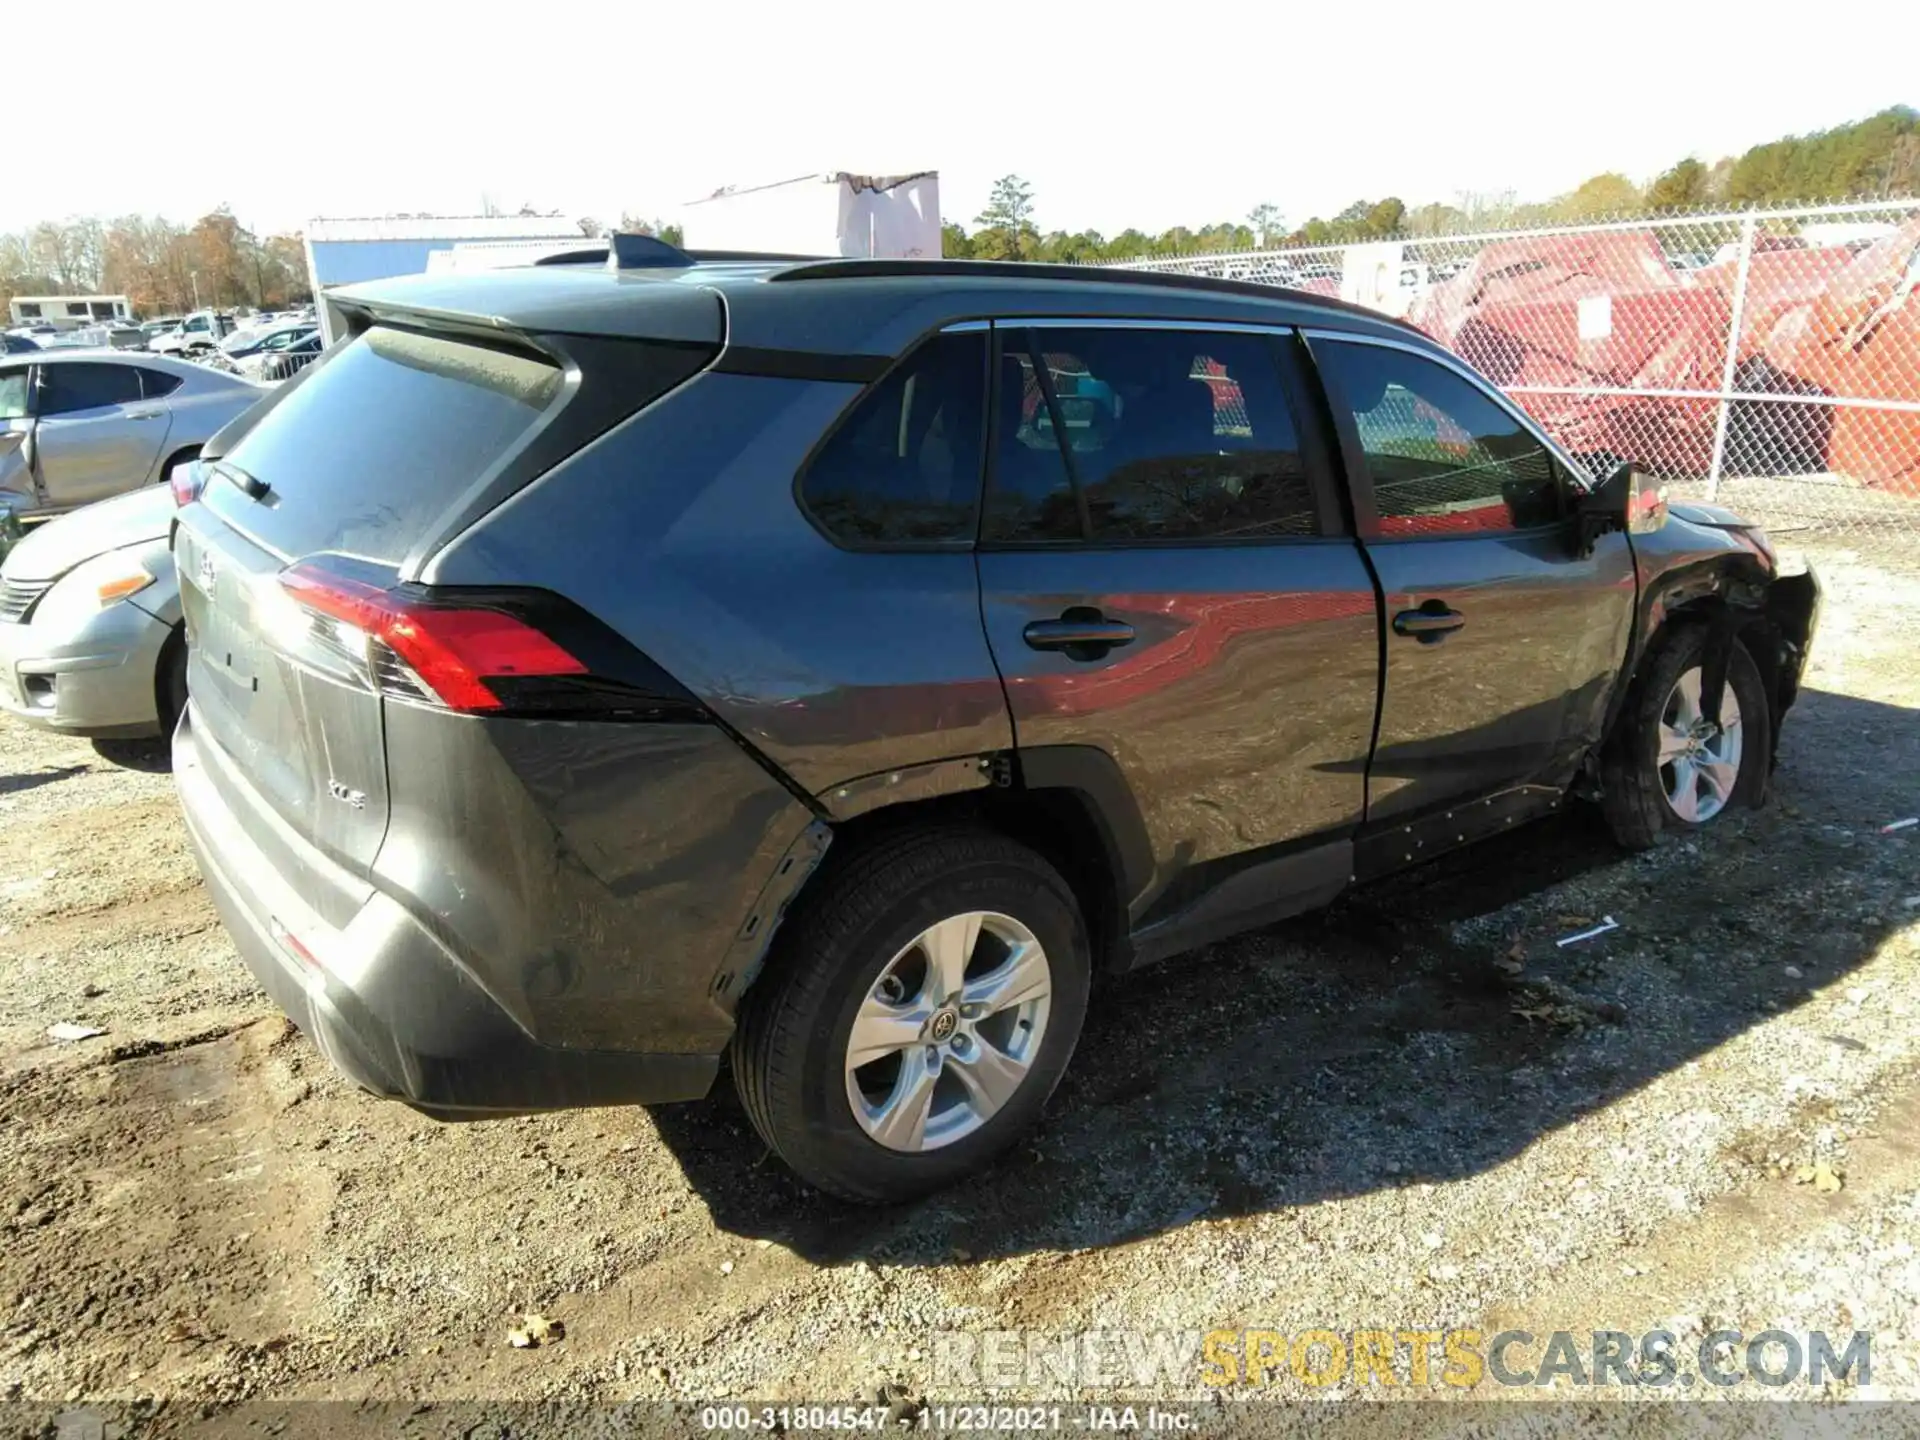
(80, 426)
(90, 637)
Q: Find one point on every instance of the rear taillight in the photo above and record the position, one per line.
(186, 482)
(457, 652)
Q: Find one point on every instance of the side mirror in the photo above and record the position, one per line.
(1624, 500)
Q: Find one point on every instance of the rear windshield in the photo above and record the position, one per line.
(381, 440)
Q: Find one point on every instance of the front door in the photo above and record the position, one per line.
(16, 436)
(1165, 578)
(1502, 644)
(95, 435)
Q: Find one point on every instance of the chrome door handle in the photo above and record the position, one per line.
(1083, 634)
(1430, 624)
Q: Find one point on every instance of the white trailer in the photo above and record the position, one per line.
(895, 217)
(67, 312)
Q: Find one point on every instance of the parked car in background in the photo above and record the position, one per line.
(11, 344)
(201, 330)
(116, 336)
(273, 336)
(159, 326)
(283, 360)
(90, 638)
(601, 668)
(79, 426)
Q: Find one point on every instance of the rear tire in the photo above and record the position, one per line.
(1638, 781)
(961, 1068)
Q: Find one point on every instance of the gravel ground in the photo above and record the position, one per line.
(1359, 1119)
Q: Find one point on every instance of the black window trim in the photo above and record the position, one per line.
(1322, 475)
(1366, 514)
(966, 543)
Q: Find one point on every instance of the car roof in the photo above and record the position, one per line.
(65, 355)
(851, 306)
(139, 359)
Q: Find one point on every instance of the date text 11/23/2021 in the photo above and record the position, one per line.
(948, 1419)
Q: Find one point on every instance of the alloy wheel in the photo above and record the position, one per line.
(1699, 761)
(948, 1032)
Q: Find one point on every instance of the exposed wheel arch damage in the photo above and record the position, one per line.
(1772, 615)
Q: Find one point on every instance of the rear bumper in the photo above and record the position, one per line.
(387, 1004)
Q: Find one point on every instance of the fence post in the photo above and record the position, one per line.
(1747, 228)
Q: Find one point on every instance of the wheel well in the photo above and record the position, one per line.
(175, 642)
(1753, 625)
(185, 452)
(1057, 824)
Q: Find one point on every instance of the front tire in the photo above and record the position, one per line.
(1667, 768)
(170, 682)
(916, 1014)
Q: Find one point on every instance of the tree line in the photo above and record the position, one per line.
(1876, 156)
(167, 268)
(161, 267)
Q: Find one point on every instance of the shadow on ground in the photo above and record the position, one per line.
(1376, 1044)
(34, 779)
(154, 757)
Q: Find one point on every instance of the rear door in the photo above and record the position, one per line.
(1165, 577)
(1502, 645)
(352, 467)
(97, 434)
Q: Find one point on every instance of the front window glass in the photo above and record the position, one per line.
(13, 394)
(1444, 457)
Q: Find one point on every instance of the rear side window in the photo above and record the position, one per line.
(1144, 435)
(66, 389)
(1444, 458)
(385, 435)
(903, 467)
(155, 383)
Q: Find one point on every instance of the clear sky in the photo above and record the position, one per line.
(1117, 113)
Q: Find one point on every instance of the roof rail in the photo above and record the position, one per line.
(859, 269)
(649, 252)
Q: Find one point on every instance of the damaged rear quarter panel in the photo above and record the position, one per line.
(591, 877)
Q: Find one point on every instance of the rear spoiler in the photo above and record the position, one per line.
(649, 252)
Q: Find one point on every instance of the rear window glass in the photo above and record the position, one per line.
(381, 440)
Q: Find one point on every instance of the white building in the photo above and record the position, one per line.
(68, 312)
(346, 252)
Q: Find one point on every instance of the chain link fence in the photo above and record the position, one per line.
(1766, 359)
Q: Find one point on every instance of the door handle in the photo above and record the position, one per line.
(1084, 636)
(1430, 624)
(143, 414)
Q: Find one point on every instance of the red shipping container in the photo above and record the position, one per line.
(1516, 313)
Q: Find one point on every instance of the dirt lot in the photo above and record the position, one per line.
(1357, 1119)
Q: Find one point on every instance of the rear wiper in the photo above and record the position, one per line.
(250, 486)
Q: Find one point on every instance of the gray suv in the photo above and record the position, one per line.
(604, 667)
